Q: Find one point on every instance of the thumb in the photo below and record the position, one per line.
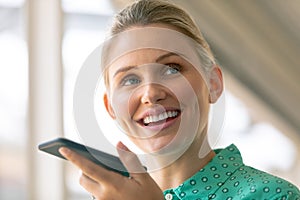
(130, 160)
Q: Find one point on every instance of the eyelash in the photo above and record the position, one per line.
(127, 78)
(175, 66)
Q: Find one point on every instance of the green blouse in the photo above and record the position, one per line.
(225, 177)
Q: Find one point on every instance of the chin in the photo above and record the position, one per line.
(154, 145)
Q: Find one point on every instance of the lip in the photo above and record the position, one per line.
(163, 124)
(156, 111)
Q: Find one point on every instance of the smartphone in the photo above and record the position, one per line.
(101, 158)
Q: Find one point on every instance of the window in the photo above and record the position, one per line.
(13, 101)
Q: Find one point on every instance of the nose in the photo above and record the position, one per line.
(152, 93)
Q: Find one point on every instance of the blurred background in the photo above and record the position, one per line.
(43, 44)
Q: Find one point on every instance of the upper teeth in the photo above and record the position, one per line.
(162, 116)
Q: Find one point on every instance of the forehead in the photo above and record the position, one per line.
(134, 39)
(139, 57)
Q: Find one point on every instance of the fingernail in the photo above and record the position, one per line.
(64, 151)
(122, 146)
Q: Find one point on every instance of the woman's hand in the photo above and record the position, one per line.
(104, 184)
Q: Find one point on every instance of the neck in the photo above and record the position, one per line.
(183, 168)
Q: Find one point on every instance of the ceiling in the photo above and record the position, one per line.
(258, 43)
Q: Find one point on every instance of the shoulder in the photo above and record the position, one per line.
(253, 183)
(247, 182)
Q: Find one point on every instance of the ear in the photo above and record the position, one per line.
(216, 84)
(108, 106)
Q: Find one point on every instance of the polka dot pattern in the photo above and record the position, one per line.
(226, 177)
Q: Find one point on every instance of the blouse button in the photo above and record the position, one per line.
(169, 196)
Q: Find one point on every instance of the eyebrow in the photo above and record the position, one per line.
(124, 69)
(160, 58)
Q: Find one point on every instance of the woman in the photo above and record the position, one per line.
(161, 78)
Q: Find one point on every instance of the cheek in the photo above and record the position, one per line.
(202, 98)
(200, 88)
(192, 94)
(124, 105)
(183, 91)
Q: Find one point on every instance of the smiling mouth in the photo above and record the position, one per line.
(153, 120)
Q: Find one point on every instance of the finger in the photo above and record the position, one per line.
(90, 185)
(130, 160)
(94, 171)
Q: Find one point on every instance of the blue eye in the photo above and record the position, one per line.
(130, 80)
(172, 69)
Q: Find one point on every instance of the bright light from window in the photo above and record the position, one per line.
(75, 51)
(13, 88)
(11, 3)
(97, 7)
(252, 138)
